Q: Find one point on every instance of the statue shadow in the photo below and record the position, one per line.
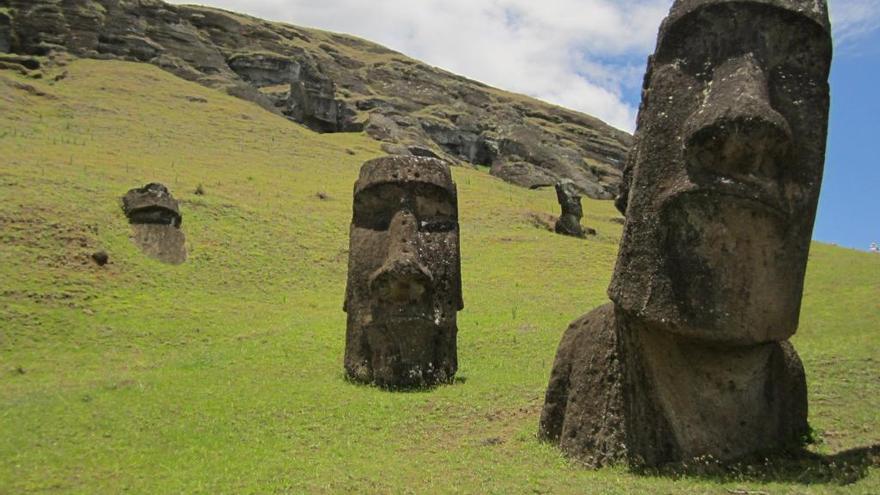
(410, 389)
(800, 467)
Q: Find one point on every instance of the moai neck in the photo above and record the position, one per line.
(721, 401)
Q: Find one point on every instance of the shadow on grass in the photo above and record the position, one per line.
(412, 389)
(802, 467)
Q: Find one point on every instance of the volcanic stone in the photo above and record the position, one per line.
(569, 222)
(155, 218)
(404, 274)
(691, 358)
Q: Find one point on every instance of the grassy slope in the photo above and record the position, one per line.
(224, 374)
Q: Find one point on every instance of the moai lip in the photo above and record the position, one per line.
(404, 274)
(721, 194)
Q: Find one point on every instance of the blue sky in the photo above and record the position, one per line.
(589, 55)
(849, 207)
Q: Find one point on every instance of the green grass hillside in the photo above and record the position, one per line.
(224, 374)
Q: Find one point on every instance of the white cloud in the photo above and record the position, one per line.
(581, 54)
(854, 20)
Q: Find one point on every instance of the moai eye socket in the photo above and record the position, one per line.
(375, 207)
(435, 209)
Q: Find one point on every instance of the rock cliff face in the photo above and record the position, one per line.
(332, 83)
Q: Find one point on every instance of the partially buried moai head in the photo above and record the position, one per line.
(155, 218)
(151, 204)
(726, 170)
(569, 222)
(404, 274)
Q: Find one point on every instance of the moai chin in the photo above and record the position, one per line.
(404, 274)
(569, 222)
(691, 358)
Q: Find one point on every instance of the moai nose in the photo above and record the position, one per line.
(736, 132)
(402, 278)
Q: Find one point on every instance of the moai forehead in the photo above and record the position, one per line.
(816, 10)
(783, 36)
(404, 170)
(153, 195)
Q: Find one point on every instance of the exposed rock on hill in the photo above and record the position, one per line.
(332, 83)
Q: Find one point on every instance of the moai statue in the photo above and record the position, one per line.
(404, 274)
(692, 357)
(569, 222)
(155, 218)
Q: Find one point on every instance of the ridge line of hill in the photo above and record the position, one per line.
(329, 82)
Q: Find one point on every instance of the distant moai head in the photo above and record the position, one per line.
(404, 274)
(569, 198)
(151, 204)
(569, 222)
(726, 169)
(155, 218)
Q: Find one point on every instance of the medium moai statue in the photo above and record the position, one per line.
(155, 218)
(692, 356)
(404, 274)
(569, 222)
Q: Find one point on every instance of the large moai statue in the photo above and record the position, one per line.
(404, 274)
(692, 356)
(155, 218)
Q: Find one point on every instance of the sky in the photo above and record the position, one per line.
(590, 55)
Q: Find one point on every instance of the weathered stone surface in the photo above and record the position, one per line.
(523, 174)
(692, 358)
(621, 392)
(162, 242)
(5, 33)
(404, 274)
(313, 101)
(333, 83)
(100, 258)
(569, 222)
(152, 203)
(155, 218)
(262, 70)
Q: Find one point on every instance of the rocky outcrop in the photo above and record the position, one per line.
(5, 32)
(313, 102)
(332, 83)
